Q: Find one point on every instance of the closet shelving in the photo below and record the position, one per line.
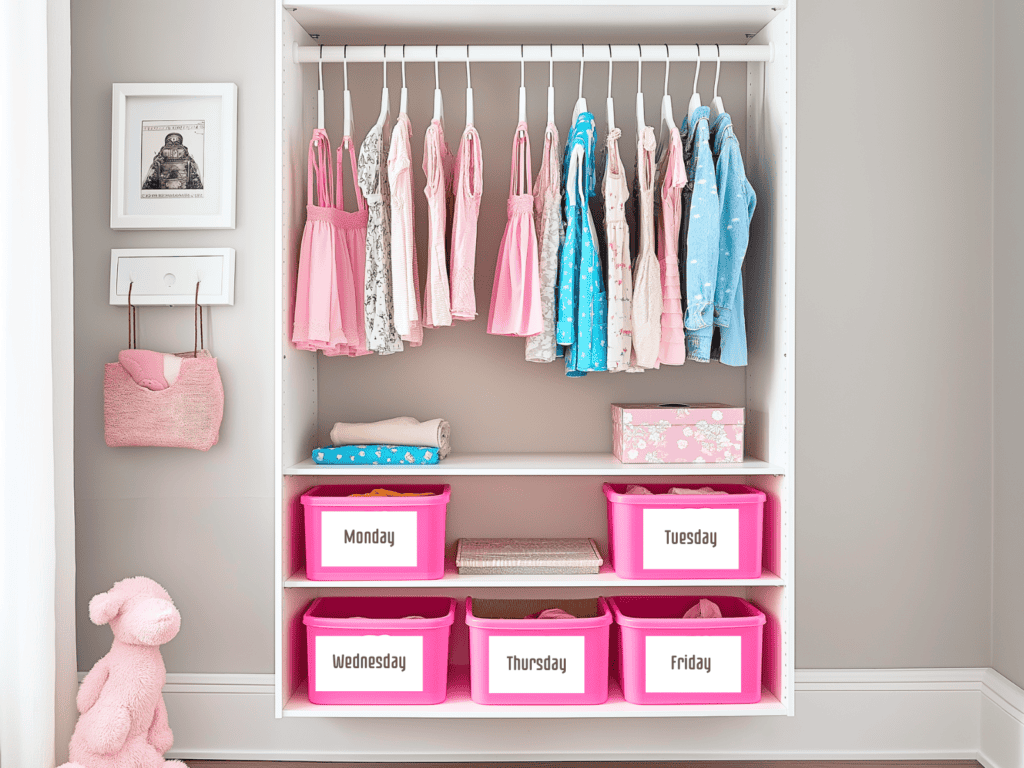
(538, 473)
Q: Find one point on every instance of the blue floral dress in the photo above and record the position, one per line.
(582, 300)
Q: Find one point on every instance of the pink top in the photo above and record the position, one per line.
(646, 306)
(317, 322)
(469, 185)
(351, 256)
(672, 173)
(437, 166)
(515, 296)
(405, 276)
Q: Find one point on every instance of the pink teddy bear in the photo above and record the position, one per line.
(123, 721)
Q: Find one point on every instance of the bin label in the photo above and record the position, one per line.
(367, 539)
(702, 539)
(693, 664)
(536, 664)
(369, 663)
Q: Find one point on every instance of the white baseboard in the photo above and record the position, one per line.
(841, 714)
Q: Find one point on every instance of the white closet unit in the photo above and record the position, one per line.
(530, 446)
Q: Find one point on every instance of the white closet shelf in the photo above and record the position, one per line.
(460, 705)
(563, 464)
(606, 578)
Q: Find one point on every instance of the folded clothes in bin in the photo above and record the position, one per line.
(375, 454)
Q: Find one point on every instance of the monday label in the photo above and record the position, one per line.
(367, 539)
(702, 539)
(536, 664)
(369, 663)
(694, 664)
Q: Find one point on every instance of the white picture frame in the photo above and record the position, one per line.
(162, 277)
(173, 155)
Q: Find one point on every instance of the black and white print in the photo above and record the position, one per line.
(173, 158)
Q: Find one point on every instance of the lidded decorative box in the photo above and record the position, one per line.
(677, 433)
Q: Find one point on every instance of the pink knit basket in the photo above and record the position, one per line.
(185, 415)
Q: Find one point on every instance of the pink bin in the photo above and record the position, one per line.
(378, 650)
(538, 661)
(666, 659)
(375, 538)
(685, 536)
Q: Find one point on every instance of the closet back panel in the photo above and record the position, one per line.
(494, 399)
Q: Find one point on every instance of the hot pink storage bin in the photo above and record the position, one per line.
(375, 538)
(378, 650)
(666, 659)
(685, 536)
(538, 661)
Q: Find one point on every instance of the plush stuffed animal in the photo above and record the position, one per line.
(123, 721)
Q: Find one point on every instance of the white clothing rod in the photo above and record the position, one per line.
(591, 53)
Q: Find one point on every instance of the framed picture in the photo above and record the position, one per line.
(173, 156)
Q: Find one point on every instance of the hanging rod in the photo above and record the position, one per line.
(652, 52)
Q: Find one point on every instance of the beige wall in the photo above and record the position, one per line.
(894, 340)
(1008, 354)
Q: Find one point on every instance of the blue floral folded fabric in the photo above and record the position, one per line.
(375, 454)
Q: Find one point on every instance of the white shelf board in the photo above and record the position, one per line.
(460, 705)
(394, 22)
(539, 464)
(606, 578)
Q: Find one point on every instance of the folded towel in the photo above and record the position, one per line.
(404, 430)
(375, 454)
(705, 609)
(704, 491)
(551, 613)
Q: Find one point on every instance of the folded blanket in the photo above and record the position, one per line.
(375, 454)
(404, 430)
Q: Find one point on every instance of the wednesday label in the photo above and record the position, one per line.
(369, 663)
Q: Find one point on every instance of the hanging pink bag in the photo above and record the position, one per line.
(141, 408)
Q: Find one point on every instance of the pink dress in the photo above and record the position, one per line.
(515, 295)
(317, 323)
(437, 166)
(469, 186)
(405, 275)
(351, 256)
(672, 174)
(548, 217)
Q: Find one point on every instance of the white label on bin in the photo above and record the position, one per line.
(693, 664)
(369, 663)
(536, 664)
(703, 539)
(367, 539)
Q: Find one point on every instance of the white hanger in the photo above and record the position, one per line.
(385, 99)
(320, 95)
(641, 119)
(551, 87)
(469, 93)
(668, 124)
(610, 104)
(438, 103)
(347, 124)
(404, 101)
(522, 85)
(695, 99)
(717, 107)
(581, 103)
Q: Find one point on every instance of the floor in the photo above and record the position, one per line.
(661, 764)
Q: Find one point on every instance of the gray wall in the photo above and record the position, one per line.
(201, 524)
(1008, 356)
(894, 341)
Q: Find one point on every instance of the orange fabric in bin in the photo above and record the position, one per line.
(386, 492)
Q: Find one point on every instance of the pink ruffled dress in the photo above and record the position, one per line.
(469, 185)
(351, 256)
(317, 322)
(515, 295)
(437, 166)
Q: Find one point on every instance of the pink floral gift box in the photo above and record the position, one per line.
(677, 433)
